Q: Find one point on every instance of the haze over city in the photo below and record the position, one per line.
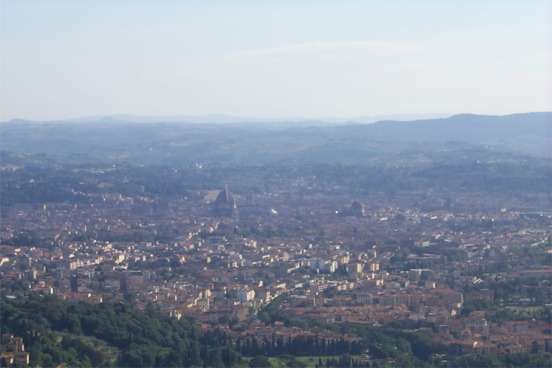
(274, 59)
(269, 184)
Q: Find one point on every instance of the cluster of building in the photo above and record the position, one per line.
(220, 262)
(12, 352)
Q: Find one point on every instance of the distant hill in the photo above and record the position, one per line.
(479, 129)
(528, 132)
(230, 119)
(245, 143)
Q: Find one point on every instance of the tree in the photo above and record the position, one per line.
(260, 361)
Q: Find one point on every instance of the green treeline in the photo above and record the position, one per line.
(111, 334)
(297, 346)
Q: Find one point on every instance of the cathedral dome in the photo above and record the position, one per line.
(357, 209)
(225, 197)
(225, 203)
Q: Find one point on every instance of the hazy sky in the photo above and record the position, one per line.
(274, 58)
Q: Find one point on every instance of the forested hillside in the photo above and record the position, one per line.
(110, 334)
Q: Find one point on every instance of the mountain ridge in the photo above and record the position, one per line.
(230, 119)
(251, 143)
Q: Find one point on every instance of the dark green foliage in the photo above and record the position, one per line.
(298, 346)
(260, 361)
(343, 361)
(271, 312)
(96, 335)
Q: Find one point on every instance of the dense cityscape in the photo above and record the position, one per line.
(276, 184)
(296, 271)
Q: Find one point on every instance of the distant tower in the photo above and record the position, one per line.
(373, 252)
(225, 204)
